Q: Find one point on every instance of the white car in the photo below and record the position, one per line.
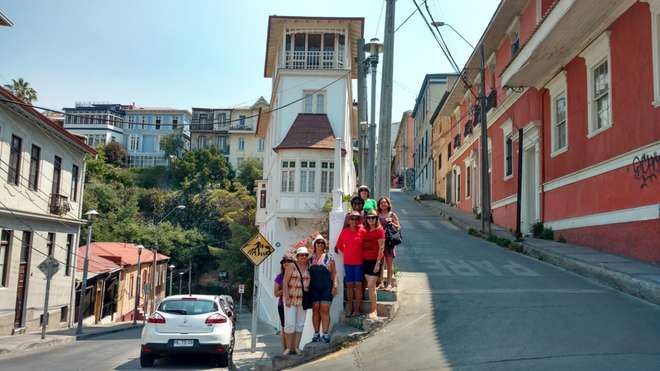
(188, 324)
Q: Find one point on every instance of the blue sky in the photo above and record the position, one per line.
(199, 52)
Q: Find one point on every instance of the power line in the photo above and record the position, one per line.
(380, 16)
(408, 17)
(115, 122)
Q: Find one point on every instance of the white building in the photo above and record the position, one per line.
(243, 141)
(310, 61)
(42, 171)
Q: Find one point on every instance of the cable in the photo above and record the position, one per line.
(408, 17)
(380, 16)
(115, 122)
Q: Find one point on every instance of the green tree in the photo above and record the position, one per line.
(250, 170)
(200, 169)
(115, 154)
(173, 144)
(23, 90)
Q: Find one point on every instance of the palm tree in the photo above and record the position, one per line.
(23, 90)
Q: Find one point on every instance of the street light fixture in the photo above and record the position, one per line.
(374, 48)
(137, 285)
(440, 24)
(91, 214)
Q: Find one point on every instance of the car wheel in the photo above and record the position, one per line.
(223, 360)
(146, 360)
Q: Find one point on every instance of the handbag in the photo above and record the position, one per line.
(393, 235)
(307, 300)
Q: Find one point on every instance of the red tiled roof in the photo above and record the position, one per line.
(4, 93)
(97, 264)
(121, 253)
(309, 131)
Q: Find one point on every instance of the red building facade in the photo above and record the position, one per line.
(578, 82)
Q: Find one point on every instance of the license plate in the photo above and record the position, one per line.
(183, 343)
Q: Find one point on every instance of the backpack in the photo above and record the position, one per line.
(393, 235)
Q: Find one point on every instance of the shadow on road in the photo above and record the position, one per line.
(185, 362)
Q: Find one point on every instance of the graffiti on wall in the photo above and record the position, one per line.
(646, 168)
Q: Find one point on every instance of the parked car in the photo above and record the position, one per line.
(231, 306)
(188, 324)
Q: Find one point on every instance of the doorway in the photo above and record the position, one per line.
(23, 276)
(530, 196)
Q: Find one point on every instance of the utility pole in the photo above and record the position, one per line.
(136, 304)
(190, 274)
(154, 265)
(485, 180)
(46, 315)
(384, 131)
(362, 110)
(180, 275)
(371, 151)
(83, 284)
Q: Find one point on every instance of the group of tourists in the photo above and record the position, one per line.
(308, 280)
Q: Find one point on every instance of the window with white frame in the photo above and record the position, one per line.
(314, 102)
(599, 83)
(158, 122)
(241, 144)
(201, 142)
(327, 176)
(134, 143)
(261, 145)
(307, 176)
(288, 176)
(654, 7)
(514, 36)
(558, 114)
(468, 180)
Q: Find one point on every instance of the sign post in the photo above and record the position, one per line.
(241, 291)
(49, 268)
(256, 250)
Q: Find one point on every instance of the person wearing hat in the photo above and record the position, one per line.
(365, 193)
(296, 279)
(284, 263)
(349, 243)
(323, 287)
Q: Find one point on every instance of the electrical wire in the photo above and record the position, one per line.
(115, 122)
(380, 16)
(408, 17)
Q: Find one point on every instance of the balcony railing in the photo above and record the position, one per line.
(314, 60)
(241, 127)
(208, 125)
(59, 205)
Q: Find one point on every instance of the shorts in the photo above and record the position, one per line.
(294, 319)
(322, 295)
(280, 312)
(368, 267)
(390, 251)
(353, 273)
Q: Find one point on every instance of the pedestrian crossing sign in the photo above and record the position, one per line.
(257, 249)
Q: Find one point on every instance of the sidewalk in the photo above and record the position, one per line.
(621, 273)
(268, 345)
(16, 344)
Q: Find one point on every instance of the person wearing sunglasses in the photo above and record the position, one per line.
(373, 246)
(322, 286)
(296, 279)
(349, 243)
(284, 263)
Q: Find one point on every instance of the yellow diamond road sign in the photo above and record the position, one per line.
(257, 249)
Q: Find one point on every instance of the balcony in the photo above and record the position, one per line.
(208, 125)
(241, 128)
(313, 60)
(59, 204)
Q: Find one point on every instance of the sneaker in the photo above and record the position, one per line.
(286, 352)
(299, 351)
(326, 338)
(316, 338)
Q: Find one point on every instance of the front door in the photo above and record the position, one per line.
(23, 271)
(529, 196)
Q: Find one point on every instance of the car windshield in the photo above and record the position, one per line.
(188, 307)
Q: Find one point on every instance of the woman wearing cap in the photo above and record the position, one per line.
(365, 193)
(349, 243)
(279, 294)
(323, 287)
(387, 216)
(373, 245)
(296, 279)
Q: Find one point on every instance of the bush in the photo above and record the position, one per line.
(561, 239)
(504, 242)
(473, 232)
(537, 229)
(514, 246)
(547, 234)
(441, 199)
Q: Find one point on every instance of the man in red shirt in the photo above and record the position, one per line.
(349, 243)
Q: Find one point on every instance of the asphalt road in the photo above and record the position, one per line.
(467, 304)
(117, 351)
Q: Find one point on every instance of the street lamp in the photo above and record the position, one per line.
(155, 252)
(91, 214)
(171, 267)
(440, 24)
(180, 276)
(374, 48)
(137, 285)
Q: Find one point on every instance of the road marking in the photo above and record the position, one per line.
(507, 291)
(469, 268)
(449, 225)
(403, 211)
(427, 225)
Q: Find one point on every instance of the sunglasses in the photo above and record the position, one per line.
(354, 218)
(303, 255)
(372, 217)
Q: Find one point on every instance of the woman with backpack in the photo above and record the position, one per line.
(373, 246)
(323, 287)
(295, 283)
(389, 220)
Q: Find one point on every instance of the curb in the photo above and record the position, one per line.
(84, 336)
(619, 281)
